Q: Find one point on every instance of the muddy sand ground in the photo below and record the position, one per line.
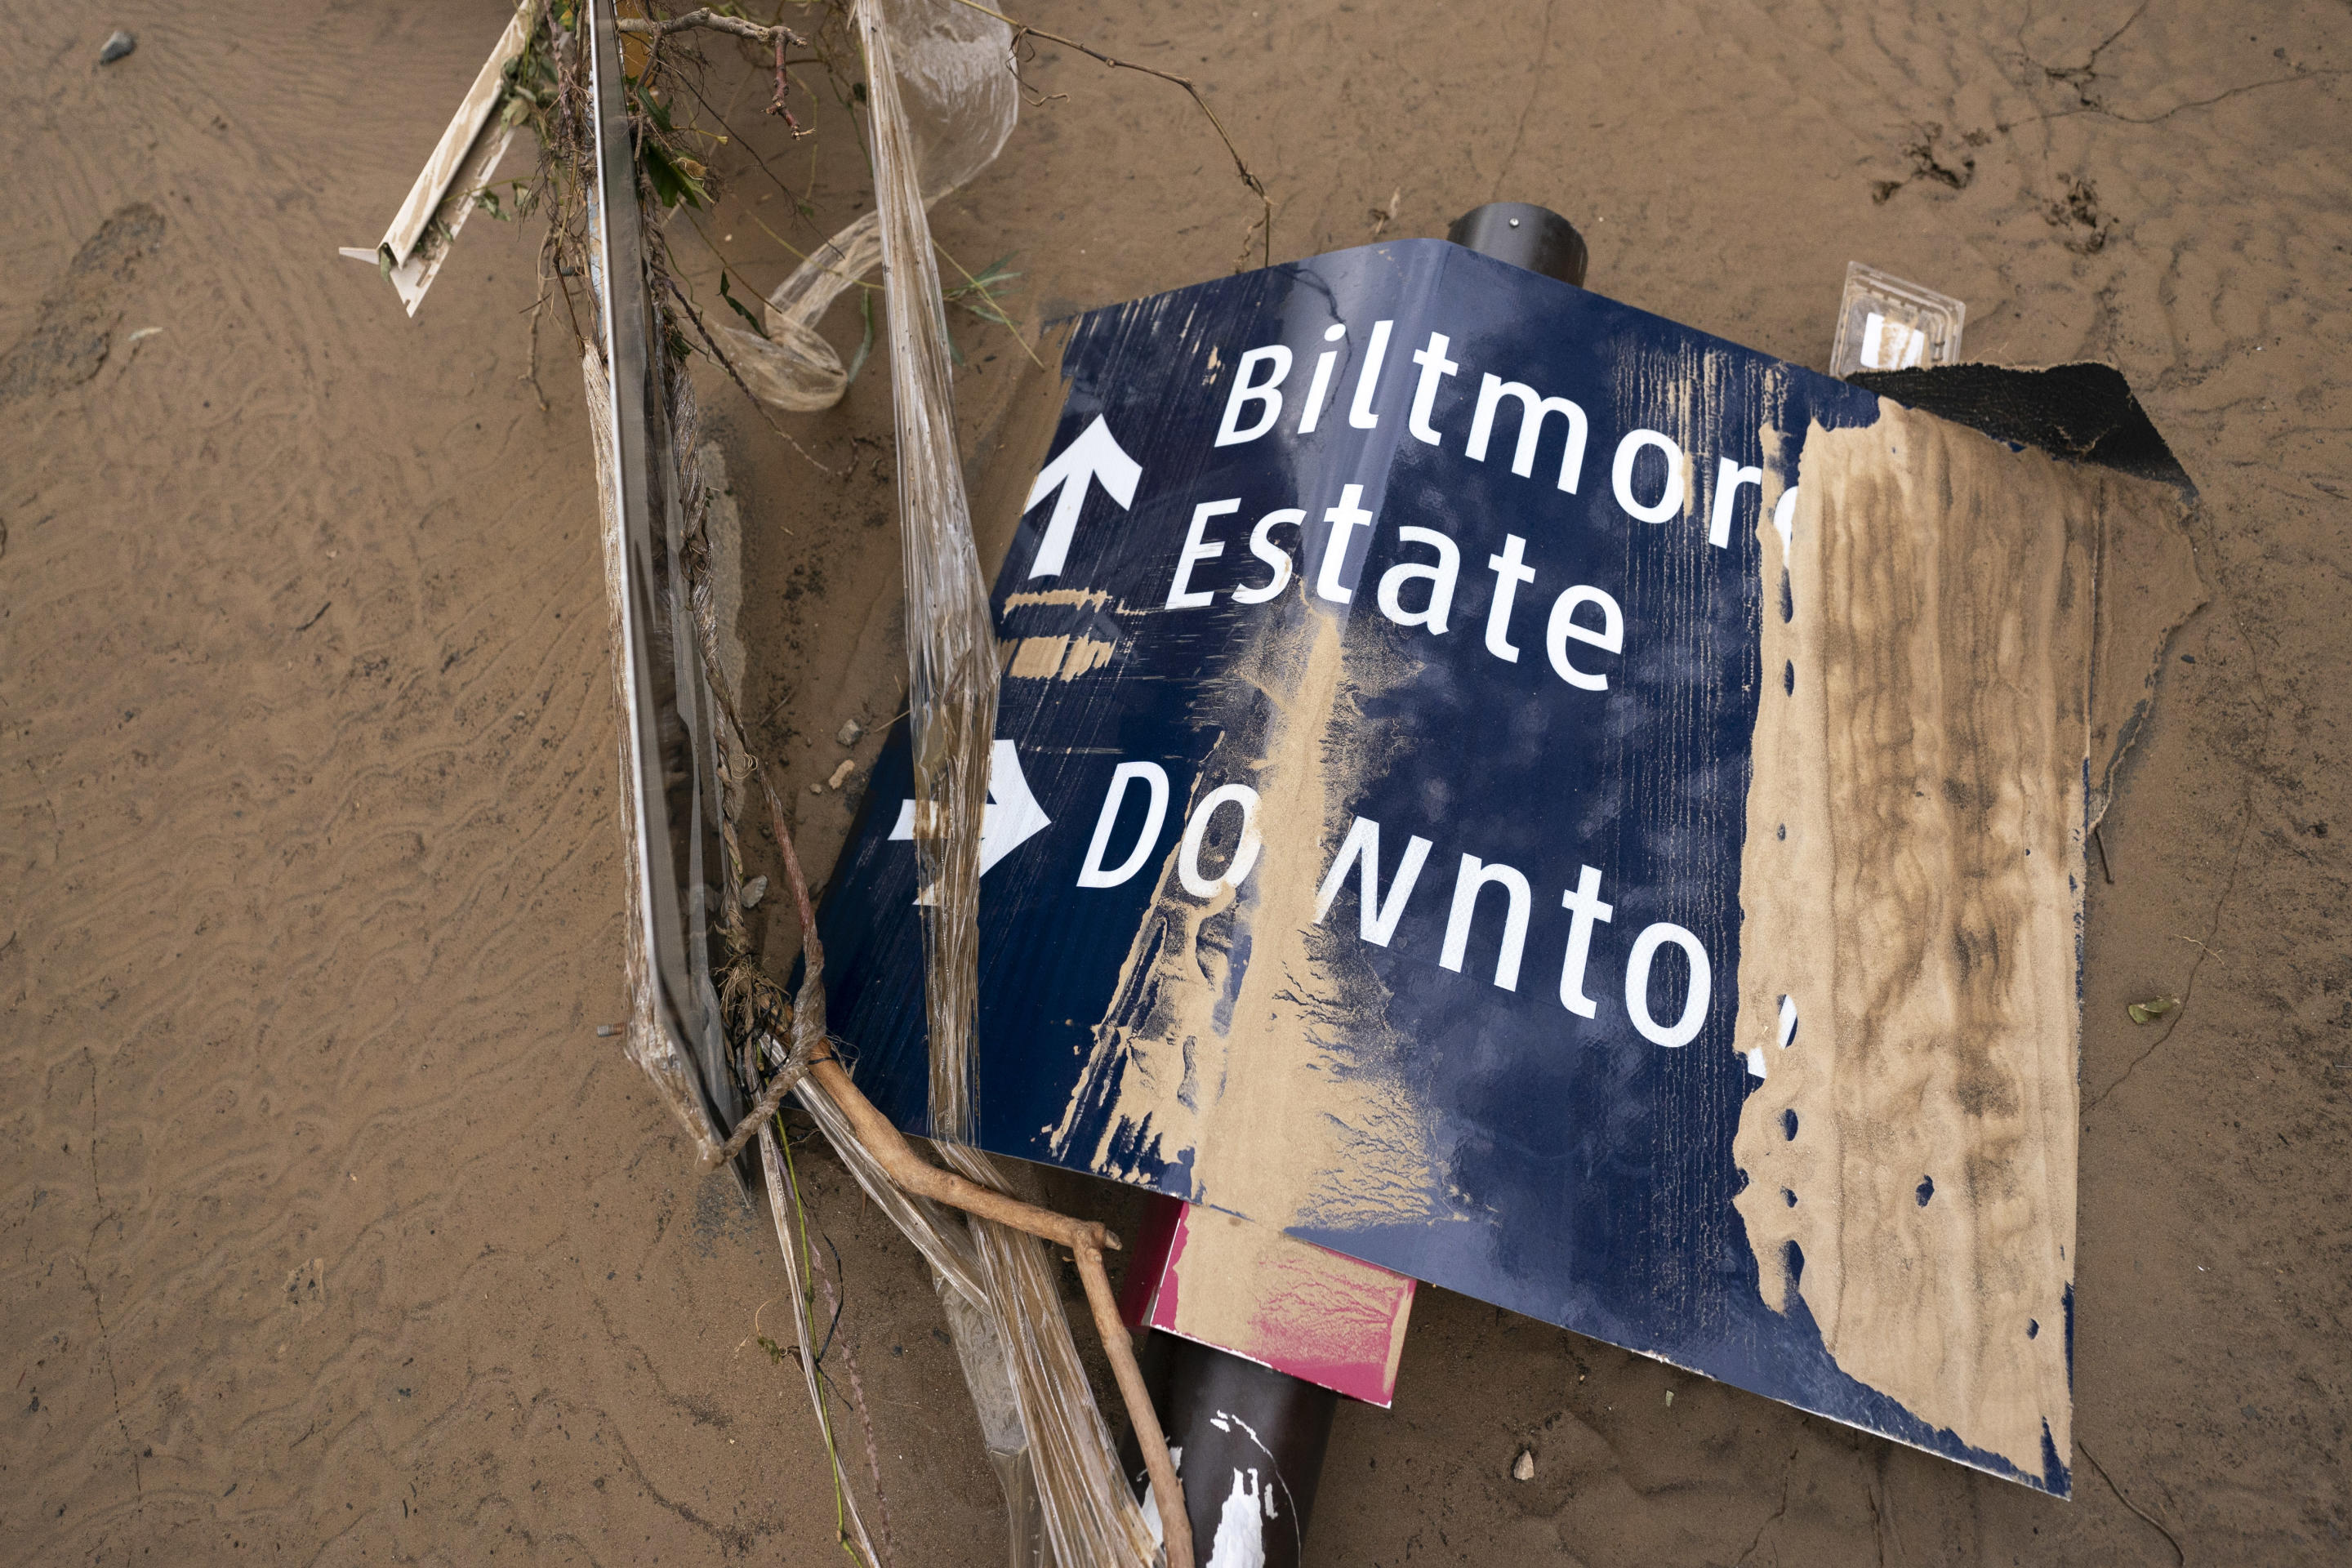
(329, 1231)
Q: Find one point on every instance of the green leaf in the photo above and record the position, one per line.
(675, 180)
(978, 294)
(654, 108)
(738, 306)
(996, 272)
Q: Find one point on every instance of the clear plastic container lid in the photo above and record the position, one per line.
(1886, 323)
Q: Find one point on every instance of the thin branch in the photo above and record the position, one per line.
(735, 140)
(1086, 1240)
(2153, 1523)
(920, 1177)
(1241, 166)
(707, 18)
(1175, 1524)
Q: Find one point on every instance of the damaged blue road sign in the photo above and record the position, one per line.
(1365, 833)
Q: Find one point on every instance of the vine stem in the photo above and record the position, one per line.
(1241, 166)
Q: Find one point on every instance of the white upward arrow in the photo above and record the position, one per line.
(1094, 455)
(1011, 817)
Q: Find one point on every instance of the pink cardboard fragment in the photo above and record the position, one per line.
(1252, 1291)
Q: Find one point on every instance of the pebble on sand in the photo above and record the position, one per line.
(851, 734)
(1523, 1469)
(115, 46)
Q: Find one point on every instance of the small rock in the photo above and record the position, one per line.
(1523, 1469)
(115, 46)
(851, 734)
(848, 767)
(753, 891)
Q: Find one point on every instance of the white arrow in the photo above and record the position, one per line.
(1011, 818)
(1094, 455)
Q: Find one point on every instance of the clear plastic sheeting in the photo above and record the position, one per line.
(961, 100)
(1091, 1520)
(780, 1207)
(943, 111)
(794, 367)
(938, 1234)
(988, 1373)
(1090, 1516)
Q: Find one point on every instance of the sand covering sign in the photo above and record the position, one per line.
(1504, 787)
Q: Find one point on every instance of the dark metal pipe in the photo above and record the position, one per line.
(1524, 235)
(1249, 1445)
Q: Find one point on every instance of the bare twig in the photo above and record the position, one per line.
(1241, 166)
(2153, 1523)
(1086, 1240)
(776, 107)
(736, 140)
(707, 18)
(1175, 1525)
(919, 1177)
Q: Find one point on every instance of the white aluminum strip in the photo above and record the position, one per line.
(440, 171)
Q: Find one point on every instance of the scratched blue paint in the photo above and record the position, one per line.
(1586, 1172)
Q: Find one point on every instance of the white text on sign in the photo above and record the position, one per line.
(1379, 914)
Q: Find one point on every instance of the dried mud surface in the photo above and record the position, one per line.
(331, 1231)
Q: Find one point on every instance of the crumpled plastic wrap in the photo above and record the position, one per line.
(960, 99)
(1091, 1519)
